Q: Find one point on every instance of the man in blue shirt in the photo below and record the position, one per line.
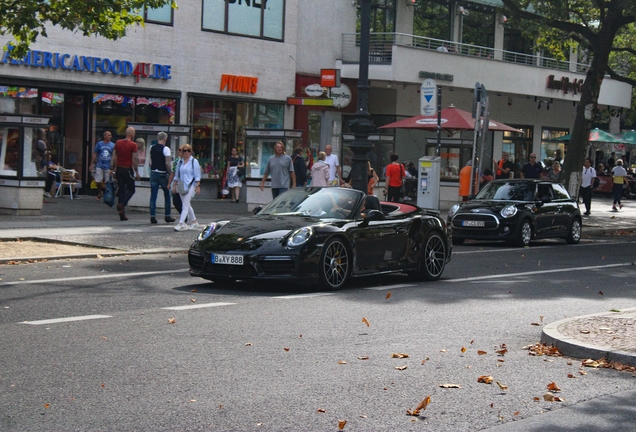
(532, 169)
(100, 163)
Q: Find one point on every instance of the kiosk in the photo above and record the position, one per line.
(428, 177)
(23, 163)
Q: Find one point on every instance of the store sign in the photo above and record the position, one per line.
(565, 85)
(330, 77)
(239, 84)
(80, 63)
(314, 90)
(341, 96)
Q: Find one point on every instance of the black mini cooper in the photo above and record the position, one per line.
(517, 211)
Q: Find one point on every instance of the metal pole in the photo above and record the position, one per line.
(439, 120)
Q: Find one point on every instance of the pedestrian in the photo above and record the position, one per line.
(176, 196)
(125, 161)
(532, 169)
(281, 168)
(320, 171)
(504, 167)
(300, 167)
(611, 162)
(100, 163)
(587, 181)
(187, 181)
(160, 172)
(233, 179)
(619, 176)
(52, 176)
(373, 179)
(335, 173)
(555, 173)
(394, 175)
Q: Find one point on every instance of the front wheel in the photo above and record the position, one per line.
(575, 232)
(335, 264)
(524, 234)
(432, 259)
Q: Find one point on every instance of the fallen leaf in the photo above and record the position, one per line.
(342, 362)
(442, 350)
(463, 350)
(248, 343)
(172, 320)
(571, 376)
(492, 404)
(585, 331)
(193, 300)
(424, 403)
(388, 295)
(46, 406)
(501, 360)
(480, 352)
(362, 416)
(99, 256)
(541, 318)
(535, 324)
(399, 355)
(516, 414)
(193, 400)
(341, 424)
(600, 292)
(363, 357)
(537, 399)
(471, 342)
(548, 397)
(502, 351)
(401, 367)
(286, 349)
(553, 387)
(486, 379)
(501, 386)
(569, 363)
(558, 399)
(366, 321)
(103, 385)
(322, 410)
(194, 290)
(582, 372)
(450, 386)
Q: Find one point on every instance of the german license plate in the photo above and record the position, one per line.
(226, 259)
(470, 223)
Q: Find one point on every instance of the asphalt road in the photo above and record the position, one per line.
(268, 358)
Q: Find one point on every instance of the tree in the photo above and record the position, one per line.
(26, 20)
(597, 26)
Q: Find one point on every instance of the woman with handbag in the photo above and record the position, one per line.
(187, 182)
(233, 178)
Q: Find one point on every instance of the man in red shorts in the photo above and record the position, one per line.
(394, 175)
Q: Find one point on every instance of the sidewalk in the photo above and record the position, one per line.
(91, 223)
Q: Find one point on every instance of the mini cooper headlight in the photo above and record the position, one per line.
(208, 230)
(453, 210)
(508, 211)
(300, 236)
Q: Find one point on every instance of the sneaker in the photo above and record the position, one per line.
(48, 195)
(613, 207)
(153, 220)
(587, 213)
(170, 219)
(194, 226)
(181, 227)
(620, 206)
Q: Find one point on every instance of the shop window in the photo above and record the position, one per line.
(551, 147)
(263, 19)
(160, 15)
(155, 110)
(518, 146)
(454, 154)
(53, 106)
(18, 100)
(9, 151)
(112, 112)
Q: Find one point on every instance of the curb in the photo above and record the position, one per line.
(574, 348)
(102, 254)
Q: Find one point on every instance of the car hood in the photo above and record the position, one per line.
(487, 206)
(254, 232)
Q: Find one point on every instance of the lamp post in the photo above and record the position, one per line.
(361, 125)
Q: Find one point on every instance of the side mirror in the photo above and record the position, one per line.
(257, 209)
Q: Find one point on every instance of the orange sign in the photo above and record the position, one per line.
(330, 77)
(239, 84)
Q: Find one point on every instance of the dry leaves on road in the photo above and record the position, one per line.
(341, 424)
(540, 349)
(399, 355)
(401, 367)
(366, 321)
(450, 386)
(486, 379)
(421, 407)
(553, 387)
(172, 320)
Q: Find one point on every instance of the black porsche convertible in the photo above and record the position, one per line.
(327, 235)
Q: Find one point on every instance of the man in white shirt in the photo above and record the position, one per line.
(587, 181)
(334, 165)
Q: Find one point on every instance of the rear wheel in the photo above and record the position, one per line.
(335, 264)
(575, 232)
(432, 259)
(524, 234)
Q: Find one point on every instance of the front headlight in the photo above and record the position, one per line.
(508, 211)
(453, 210)
(208, 231)
(300, 236)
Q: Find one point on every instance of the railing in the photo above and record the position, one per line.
(381, 50)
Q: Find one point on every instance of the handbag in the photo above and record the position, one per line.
(240, 171)
(109, 195)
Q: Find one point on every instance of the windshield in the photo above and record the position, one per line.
(335, 203)
(508, 191)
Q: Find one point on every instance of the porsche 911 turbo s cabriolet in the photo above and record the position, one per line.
(327, 235)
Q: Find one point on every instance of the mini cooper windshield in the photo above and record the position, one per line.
(508, 191)
(317, 202)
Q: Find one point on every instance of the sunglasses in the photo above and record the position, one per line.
(186, 150)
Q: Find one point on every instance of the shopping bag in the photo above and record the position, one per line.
(109, 194)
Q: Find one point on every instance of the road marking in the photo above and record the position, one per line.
(296, 296)
(542, 272)
(106, 276)
(61, 320)
(198, 306)
(388, 287)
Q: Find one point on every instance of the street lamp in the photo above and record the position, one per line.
(361, 125)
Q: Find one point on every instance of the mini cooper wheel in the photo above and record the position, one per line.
(524, 234)
(433, 258)
(575, 232)
(335, 264)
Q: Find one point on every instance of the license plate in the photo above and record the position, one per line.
(473, 223)
(226, 259)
